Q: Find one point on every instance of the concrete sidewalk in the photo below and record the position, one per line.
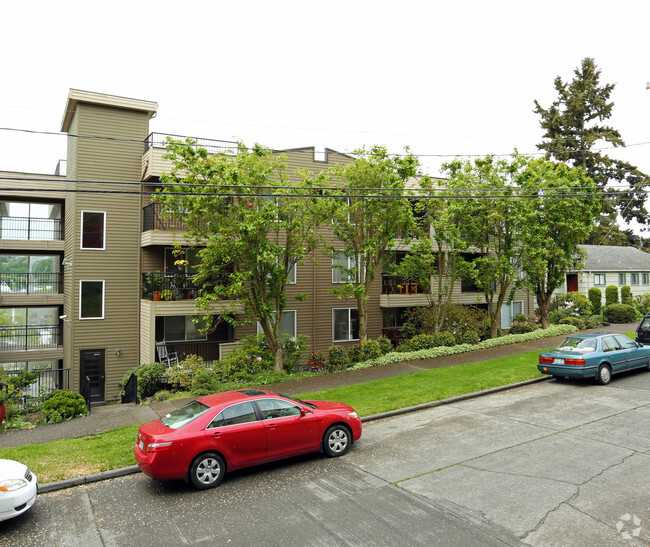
(104, 418)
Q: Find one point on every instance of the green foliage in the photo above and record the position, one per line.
(180, 376)
(316, 361)
(626, 295)
(572, 304)
(150, 378)
(463, 318)
(385, 345)
(13, 396)
(575, 321)
(642, 303)
(596, 299)
(64, 405)
(611, 295)
(338, 359)
(524, 323)
(427, 341)
(204, 382)
(620, 313)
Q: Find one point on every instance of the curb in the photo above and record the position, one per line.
(121, 472)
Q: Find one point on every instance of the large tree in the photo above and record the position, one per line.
(558, 206)
(252, 227)
(490, 222)
(574, 130)
(369, 215)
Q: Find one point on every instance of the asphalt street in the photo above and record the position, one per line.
(552, 463)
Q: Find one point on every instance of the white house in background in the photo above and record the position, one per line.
(611, 265)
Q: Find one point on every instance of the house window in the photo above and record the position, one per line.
(287, 323)
(343, 268)
(621, 279)
(91, 299)
(291, 275)
(634, 279)
(29, 328)
(93, 230)
(182, 328)
(508, 312)
(191, 256)
(646, 279)
(600, 279)
(345, 324)
(30, 274)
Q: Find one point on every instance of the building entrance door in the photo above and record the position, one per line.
(93, 367)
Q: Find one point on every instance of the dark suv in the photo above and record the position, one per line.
(643, 330)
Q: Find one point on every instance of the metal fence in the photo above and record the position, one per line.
(44, 229)
(31, 283)
(159, 140)
(154, 218)
(29, 337)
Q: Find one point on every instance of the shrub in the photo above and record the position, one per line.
(64, 405)
(292, 348)
(354, 354)
(150, 378)
(626, 295)
(316, 361)
(464, 318)
(469, 337)
(523, 323)
(427, 341)
(370, 349)
(620, 313)
(592, 323)
(611, 295)
(180, 375)
(575, 321)
(338, 358)
(385, 345)
(204, 382)
(596, 299)
(642, 303)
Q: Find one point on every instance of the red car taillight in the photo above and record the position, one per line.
(157, 447)
(543, 359)
(579, 362)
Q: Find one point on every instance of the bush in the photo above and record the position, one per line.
(427, 341)
(180, 376)
(465, 318)
(642, 303)
(592, 323)
(596, 299)
(370, 349)
(575, 321)
(338, 358)
(204, 382)
(469, 337)
(150, 378)
(620, 313)
(316, 361)
(385, 345)
(64, 405)
(522, 323)
(626, 295)
(611, 295)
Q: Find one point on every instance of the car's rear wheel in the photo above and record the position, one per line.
(336, 441)
(207, 471)
(604, 375)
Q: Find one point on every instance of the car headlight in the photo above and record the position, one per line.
(354, 414)
(10, 485)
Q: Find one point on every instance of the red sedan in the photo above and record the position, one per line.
(234, 429)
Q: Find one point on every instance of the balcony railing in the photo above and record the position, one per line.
(30, 283)
(396, 284)
(164, 286)
(159, 140)
(29, 337)
(154, 218)
(43, 229)
(207, 349)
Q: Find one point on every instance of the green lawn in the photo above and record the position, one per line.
(114, 449)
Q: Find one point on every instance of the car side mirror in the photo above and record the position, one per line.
(303, 412)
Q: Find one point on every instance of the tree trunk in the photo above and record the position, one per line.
(542, 307)
(361, 315)
(278, 359)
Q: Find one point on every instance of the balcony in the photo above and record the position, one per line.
(31, 229)
(397, 292)
(36, 337)
(209, 350)
(30, 283)
(162, 286)
(154, 218)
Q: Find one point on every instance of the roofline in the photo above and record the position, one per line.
(76, 96)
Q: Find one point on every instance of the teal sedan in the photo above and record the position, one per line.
(597, 355)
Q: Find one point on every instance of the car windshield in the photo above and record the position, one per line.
(297, 400)
(186, 413)
(574, 343)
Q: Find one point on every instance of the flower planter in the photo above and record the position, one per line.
(156, 295)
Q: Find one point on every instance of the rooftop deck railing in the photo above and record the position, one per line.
(159, 140)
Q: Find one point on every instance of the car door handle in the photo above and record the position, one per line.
(217, 434)
(271, 426)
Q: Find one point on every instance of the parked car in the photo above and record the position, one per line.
(225, 431)
(18, 488)
(594, 355)
(643, 330)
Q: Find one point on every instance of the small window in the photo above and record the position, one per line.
(634, 279)
(93, 230)
(91, 300)
(345, 324)
(344, 268)
(646, 279)
(621, 279)
(287, 323)
(600, 279)
(291, 275)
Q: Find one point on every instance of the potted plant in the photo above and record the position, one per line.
(154, 284)
(166, 294)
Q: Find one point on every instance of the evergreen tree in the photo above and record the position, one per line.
(574, 128)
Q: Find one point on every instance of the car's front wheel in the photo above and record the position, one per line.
(207, 471)
(336, 441)
(604, 375)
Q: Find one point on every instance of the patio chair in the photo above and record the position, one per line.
(165, 356)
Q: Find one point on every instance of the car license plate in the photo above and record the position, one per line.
(558, 361)
(141, 445)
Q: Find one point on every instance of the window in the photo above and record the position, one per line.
(240, 413)
(624, 342)
(35, 221)
(287, 323)
(345, 324)
(600, 279)
(344, 268)
(183, 328)
(276, 408)
(291, 275)
(634, 279)
(29, 274)
(646, 278)
(621, 279)
(91, 299)
(29, 328)
(93, 230)
(508, 312)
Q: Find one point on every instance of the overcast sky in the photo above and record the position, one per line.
(441, 77)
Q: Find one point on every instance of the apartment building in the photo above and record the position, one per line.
(89, 287)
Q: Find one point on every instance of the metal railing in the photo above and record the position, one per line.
(207, 349)
(159, 140)
(164, 286)
(29, 337)
(41, 229)
(31, 283)
(154, 218)
(396, 284)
